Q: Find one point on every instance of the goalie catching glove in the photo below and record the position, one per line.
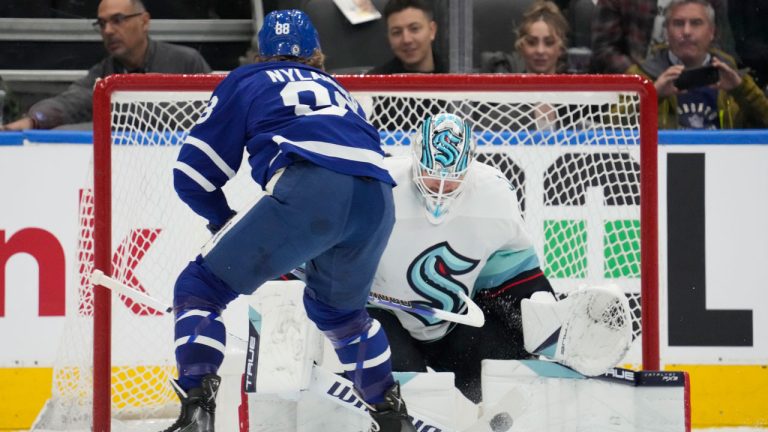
(589, 331)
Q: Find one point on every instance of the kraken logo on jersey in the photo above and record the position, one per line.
(431, 276)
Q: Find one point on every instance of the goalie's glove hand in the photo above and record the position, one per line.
(214, 228)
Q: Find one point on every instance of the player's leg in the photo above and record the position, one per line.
(501, 338)
(406, 351)
(341, 221)
(271, 237)
(338, 283)
(199, 298)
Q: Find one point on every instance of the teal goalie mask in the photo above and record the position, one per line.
(443, 151)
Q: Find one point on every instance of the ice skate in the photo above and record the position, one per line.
(391, 415)
(198, 406)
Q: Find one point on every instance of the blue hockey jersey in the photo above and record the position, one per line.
(278, 112)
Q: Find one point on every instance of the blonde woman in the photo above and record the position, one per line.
(542, 39)
(540, 46)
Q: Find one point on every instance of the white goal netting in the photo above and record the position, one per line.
(571, 147)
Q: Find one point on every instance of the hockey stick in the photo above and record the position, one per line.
(99, 278)
(474, 316)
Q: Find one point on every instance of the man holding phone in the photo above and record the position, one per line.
(699, 86)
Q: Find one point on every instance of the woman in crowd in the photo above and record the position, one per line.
(540, 46)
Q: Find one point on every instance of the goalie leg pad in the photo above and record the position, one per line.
(360, 344)
(464, 348)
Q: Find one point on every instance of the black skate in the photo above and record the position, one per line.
(391, 415)
(198, 406)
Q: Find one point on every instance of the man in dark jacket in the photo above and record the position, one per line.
(733, 101)
(624, 31)
(124, 28)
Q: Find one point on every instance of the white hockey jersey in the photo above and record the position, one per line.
(480, 244)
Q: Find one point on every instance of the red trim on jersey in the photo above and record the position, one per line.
(512, 284)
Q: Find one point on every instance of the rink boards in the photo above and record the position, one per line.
(727, 377)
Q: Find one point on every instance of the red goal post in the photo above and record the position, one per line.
(515, 117)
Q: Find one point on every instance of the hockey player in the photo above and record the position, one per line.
(458, 227)
(328, 203)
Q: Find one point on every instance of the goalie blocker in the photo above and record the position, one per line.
(292, 385)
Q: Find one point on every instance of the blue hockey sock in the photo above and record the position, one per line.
(198, 299)
(200, 342)
(360, 344)
(366, 361)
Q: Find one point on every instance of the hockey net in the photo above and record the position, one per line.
(579, 150)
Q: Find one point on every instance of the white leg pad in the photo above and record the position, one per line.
(329, 404)
(289, 342)
(547, 396)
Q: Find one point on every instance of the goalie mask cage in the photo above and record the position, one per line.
(580, 151)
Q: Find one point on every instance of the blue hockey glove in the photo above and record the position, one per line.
(214, 228)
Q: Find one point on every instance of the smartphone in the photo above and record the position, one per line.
(697, 77)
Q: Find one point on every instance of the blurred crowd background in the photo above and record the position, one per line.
(46, 45)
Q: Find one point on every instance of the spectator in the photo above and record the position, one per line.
(735, 101)
(124, 28)
(411, 30)
(625, 31)
(540, 46)
(748, 19)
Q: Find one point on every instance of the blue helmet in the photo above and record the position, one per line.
(287, 32)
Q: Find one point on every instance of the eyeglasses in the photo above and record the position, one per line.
(116, 20)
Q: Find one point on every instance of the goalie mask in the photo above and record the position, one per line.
(288, 33)
(443, 151)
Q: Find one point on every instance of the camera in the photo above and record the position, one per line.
(697, 77)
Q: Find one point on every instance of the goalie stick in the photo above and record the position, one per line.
(474, 316)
